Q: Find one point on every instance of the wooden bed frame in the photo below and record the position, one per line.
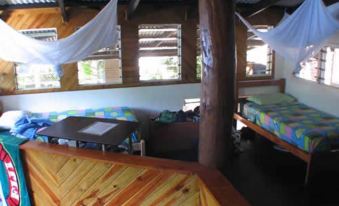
(305, 156)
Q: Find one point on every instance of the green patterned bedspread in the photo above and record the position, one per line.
(307, 128)
(120, 113)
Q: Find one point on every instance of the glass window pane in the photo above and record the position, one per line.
(199, 56)
(37, 76)
(102, 67)
(160, 52)
(335, 67)
(332, 66)
(309, 69)
(259, 55)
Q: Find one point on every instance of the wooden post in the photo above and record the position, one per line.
(218, 81)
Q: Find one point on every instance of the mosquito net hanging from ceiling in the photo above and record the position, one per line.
(304, 33)
(100, 32)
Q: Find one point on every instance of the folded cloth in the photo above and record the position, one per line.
(28, 127)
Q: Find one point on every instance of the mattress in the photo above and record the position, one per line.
(305, 127)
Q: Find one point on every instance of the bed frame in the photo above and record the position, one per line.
(327, 158)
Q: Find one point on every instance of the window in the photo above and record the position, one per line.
(37, 76)
(322, 67)
(310, 69)
(102, 67)
(332, 66)
(191, 104)
(259, 55)
(199, 56)
(160, 52)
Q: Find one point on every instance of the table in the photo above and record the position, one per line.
(70, 127)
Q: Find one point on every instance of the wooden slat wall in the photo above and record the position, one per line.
(46, 18)
(58, 175)
(147, 14)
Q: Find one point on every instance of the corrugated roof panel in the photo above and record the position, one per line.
(22, 2)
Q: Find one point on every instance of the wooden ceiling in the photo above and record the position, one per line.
(15, 4)
(245, 7)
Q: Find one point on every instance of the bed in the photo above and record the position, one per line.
(305, 132)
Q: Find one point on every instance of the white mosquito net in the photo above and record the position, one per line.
(100, 32)
(304, 33)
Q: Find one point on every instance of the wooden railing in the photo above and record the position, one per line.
(58, 175)
(261, 83)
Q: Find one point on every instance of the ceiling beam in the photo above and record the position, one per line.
(330, 2)
(93, 4)
(326, 2)
(28, 6)
(258, 7)
(63, 13)
(132, 6)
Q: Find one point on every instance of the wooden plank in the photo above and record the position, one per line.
(258, 7)
(291, 148)
(193, 200)
(218, 81)
(220, 188)
(68, 169)
(91, 177)
(132, 6)
(106, 189)
(260, 83)
(64, 15)
(40, 185)
(134, 187)
(45, 172)
(206, 198)
(75, 177)
(118, 178)
(169, 187)
(189, 189)
(148, 189)
(147, 162)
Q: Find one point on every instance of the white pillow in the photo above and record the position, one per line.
(8, 119)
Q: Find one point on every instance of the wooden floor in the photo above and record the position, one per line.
(269, 177)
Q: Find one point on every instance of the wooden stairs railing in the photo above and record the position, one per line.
(58, 175)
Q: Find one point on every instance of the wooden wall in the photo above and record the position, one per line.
(50, 17)
(58, 175)
(149, 14)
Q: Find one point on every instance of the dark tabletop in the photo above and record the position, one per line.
(69, 129)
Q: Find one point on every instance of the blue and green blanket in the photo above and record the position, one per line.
(303, 126)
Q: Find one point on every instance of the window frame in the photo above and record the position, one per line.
(36, 33)
(271, 58)
(178, 48)
(105, 55)
(321, 58)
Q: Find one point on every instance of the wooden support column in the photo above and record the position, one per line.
(132, 6)
(218, 81)
(259, 7)
(64, 15)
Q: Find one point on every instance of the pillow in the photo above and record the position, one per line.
(274, 98)
(8, 119)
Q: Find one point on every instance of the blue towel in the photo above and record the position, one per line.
(27, 127)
